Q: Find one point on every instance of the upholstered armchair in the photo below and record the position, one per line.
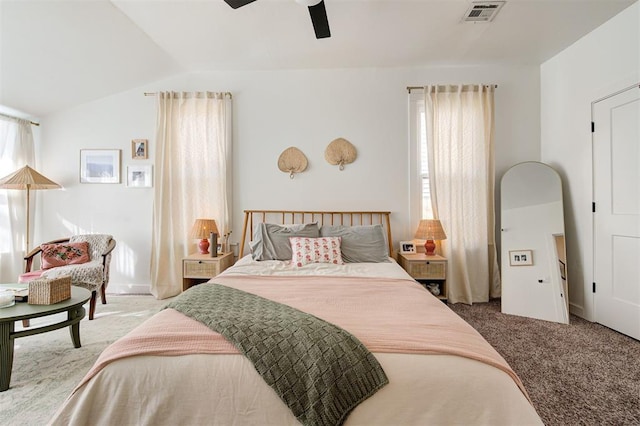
(87, 264)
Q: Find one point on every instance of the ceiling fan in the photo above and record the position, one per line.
(317, 12)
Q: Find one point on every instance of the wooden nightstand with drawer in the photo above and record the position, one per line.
(427, 270)
(198, 268)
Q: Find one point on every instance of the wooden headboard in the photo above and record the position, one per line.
(284, 217)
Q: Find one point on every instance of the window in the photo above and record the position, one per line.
(420, 195)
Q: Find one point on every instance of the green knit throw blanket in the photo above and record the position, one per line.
(318, 369)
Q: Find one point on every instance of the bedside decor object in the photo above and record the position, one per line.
(430, 230)
(27, 178)
(407, 247)
(292, 160)
(434, 288)
(140, 176)
(49, 291)
(213, 243)
(340, 152)
(202, 229)
(139, 150)
(99, 166)
(225, 242)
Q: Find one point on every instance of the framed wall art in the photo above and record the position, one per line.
(99, 166)
(520, 257)
(139, 149)
(140, 176)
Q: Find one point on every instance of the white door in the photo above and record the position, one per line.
(616, 190)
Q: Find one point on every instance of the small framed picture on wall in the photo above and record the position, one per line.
(139, 149)
(139, 176)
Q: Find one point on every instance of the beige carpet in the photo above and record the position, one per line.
(576, 374)
(47, 367)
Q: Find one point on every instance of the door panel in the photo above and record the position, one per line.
(616, 165)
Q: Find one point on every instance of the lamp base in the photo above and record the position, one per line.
(430, 248)
(203, 245)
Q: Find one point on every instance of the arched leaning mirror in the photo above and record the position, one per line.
(533, 255)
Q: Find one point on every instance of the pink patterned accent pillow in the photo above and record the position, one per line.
(54, 255)
(307, 250)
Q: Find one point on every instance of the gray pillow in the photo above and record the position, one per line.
(271, 241)
(360, 244)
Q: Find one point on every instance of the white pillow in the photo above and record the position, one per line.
(307, 250)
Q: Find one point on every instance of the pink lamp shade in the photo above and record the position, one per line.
(430, 230)
(201, 229)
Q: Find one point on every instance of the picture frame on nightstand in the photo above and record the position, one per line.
(407, 247)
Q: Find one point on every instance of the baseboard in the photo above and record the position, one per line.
(576, 310)
(129, 288)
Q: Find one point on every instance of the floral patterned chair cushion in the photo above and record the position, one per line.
(54, 255)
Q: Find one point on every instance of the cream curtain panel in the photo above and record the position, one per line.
(16, 150)
(192, 180)
(460, 127)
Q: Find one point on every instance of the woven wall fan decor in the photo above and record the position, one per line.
(340, 152)
(292, 161)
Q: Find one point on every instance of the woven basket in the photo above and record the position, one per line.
(47, 292)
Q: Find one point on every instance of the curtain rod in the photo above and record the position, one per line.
(410, 88)
(33, 123)
(156, 93)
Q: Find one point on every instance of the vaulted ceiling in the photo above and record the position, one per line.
(55, 54)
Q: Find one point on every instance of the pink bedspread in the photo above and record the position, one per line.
(386, 315)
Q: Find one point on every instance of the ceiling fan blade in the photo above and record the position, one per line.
(319, 19)
(238, 3)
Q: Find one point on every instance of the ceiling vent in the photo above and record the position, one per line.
(482, 11)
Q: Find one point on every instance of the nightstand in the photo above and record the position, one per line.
(198, 268)
(426, 270)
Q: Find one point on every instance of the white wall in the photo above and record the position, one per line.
(272, 111)
(602, 62)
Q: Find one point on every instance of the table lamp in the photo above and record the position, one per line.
(430, 230)
(202, 229)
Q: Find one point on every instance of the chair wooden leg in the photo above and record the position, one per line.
(92, 304)
(103, 296)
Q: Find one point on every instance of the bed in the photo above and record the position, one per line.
(173, 369)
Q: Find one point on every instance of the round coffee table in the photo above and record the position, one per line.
(23, 311)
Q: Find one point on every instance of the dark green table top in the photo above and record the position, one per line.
(22, 310)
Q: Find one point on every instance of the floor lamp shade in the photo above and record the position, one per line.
(27, 179)
(430, 230)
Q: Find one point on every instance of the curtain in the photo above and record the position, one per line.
(192, 180)
(16, 150)
(460, 127)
